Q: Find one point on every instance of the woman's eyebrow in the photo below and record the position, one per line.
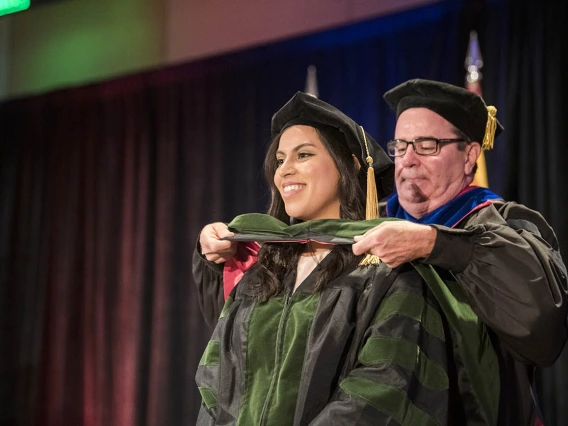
(298, 147)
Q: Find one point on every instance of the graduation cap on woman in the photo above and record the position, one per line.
(304, 109)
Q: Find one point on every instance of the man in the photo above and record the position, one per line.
(505, 255)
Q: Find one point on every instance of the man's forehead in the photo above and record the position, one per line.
(423, 120)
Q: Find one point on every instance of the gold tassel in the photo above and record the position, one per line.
(372, 203)
(490, 128)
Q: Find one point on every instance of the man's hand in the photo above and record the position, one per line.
(212, 247)
(397, 242)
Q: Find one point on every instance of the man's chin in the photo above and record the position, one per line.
(412, 205)
(411, 193)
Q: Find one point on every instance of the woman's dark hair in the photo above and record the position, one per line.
(276, 260)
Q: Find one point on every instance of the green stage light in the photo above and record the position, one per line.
(11, 6)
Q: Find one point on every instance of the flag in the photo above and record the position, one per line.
(473, 65)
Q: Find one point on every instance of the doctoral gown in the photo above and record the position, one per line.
(374, 346)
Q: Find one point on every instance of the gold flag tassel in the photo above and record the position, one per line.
(490, 128)
(372, 204)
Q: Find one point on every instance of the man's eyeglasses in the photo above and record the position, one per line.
(422, 146)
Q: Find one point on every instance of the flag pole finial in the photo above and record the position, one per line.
(312, 82)
(473, 60)
(473, 65)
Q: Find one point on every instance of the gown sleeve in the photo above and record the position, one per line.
(401, 372)
(208, 277)
(507, 258)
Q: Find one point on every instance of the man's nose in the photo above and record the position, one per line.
(410, 157)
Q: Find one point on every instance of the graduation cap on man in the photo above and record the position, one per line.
(466, 110)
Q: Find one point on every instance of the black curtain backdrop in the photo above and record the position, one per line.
(104, 189)
(525, 45)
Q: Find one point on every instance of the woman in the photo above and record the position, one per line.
(311, 337)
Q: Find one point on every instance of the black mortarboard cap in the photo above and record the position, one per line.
(309, 110)
(464, 109)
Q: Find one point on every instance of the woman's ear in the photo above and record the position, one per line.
(473, 150)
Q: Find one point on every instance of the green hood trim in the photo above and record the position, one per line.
(262, 227)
